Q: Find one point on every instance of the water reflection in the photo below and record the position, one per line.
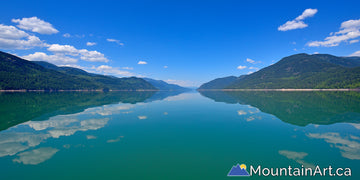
(55, 115)
(349, 146)
(331, 113)
(297, 156)
(297, 108)
(35, 156)
(16, 108)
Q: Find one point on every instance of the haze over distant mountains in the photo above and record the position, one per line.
(19, 74)
(164, 86)
(299, 71)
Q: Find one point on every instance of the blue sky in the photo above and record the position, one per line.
(183, 42)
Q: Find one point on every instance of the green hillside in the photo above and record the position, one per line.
(219, 83)
(17, 73)
(300, 71)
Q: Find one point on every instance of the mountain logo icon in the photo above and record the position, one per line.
(238, 170)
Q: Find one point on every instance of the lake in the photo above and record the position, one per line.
(173, 135)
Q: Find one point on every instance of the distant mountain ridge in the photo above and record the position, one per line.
(164, 86)
(17, 73)
(299, 71)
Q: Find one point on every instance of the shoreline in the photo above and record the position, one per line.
(305, 90)
(82, 90)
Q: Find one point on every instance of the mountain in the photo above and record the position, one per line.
(163, 86)
(17, 73)
(66, 70)
(220, 83)
(304, 71)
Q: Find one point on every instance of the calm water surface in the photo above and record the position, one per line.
(171, 135)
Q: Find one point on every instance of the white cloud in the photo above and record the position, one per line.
(254, 68)
(111, 70)
(298, 22)
(354, 41)
(349, 30)
(57, 59)
(11, 32)
(63, 49)
(165, 67)
(241, 67)
(92, 56)
(357, 53)
(115, 41)
(36, 156)
(13, 38)
(250, 60)
(142, 62)
(307, 13)
(67, 35)
(35, 24)
(91, 43)
(86, 55)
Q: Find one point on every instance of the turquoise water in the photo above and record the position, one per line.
(147, 135)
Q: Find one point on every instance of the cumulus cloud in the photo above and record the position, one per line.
(57, 59)
(13, 38)
(115, 41)
(241, 67)
(349, 30)
(250, 60)
(35, 24)
(112, 70)
(357, 53)
(142, 62)
(86, 55)
(298, 22)
(91, 43)
(63, 49)
(92, 56)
